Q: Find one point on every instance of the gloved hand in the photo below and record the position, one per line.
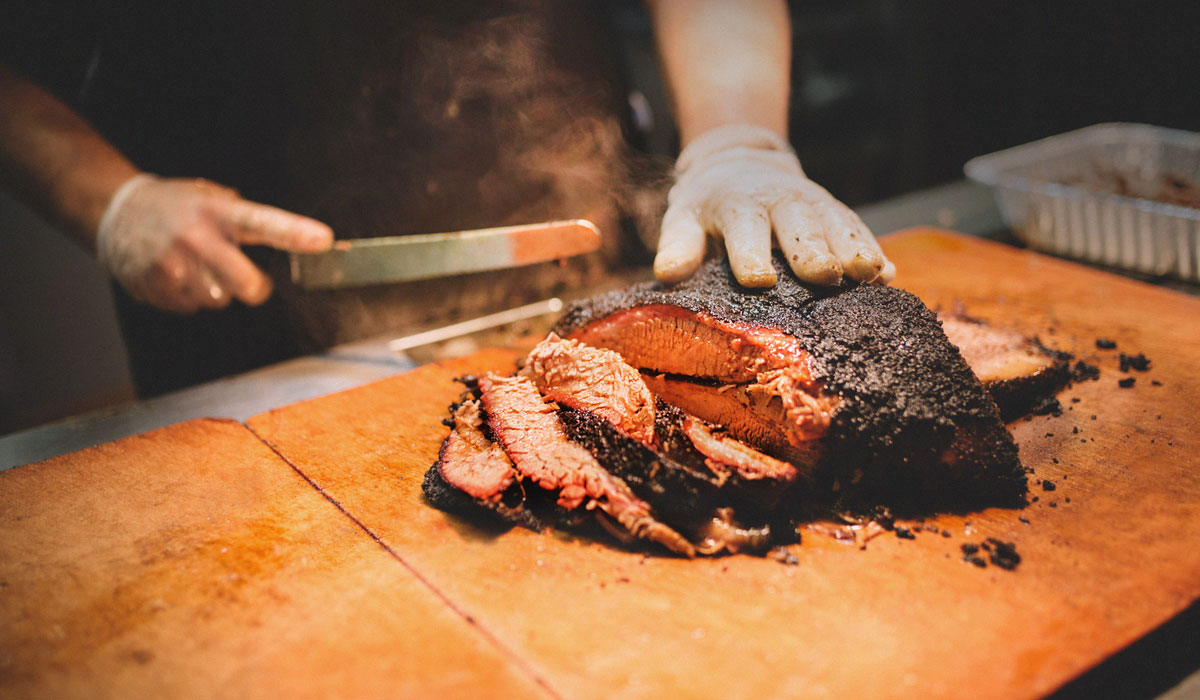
(174, 243)
(743, 182)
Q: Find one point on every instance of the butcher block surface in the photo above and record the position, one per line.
(194, 561)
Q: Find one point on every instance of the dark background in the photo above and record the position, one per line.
(894, 95)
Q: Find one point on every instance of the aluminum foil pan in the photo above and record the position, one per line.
(1120, 195)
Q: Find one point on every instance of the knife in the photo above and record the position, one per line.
(367, 261)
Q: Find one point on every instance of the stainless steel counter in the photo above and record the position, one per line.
(235, 397)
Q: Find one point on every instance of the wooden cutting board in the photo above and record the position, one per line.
(1107, 556)
(192, 562)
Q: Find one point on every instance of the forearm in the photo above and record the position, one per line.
(53, 159)
(725, 62)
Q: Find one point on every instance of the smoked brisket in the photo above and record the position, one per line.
(473, 476)
(534, 438)
(1018, 372)
(913, 428)
(703, 416)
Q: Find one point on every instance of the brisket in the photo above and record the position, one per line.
(704, 416)
(730, 458)
(472, 463)
(609, 410)
(472, 471)
(1017, 371)
(913, 427)
(754, 417)
(751, 481)
(762, 370)
(681, 494)
(594, 380)
(673, 340)
(534, 439)
(693, 469)
(686, 497)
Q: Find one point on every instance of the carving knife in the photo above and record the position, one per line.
(367, 261)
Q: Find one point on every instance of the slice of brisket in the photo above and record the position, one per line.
(1017, 371)
(594, 380)
(536, 442)
(472, 463)
(754, 417)
(472, 471)
(912, 427)
(675, 340)
(752, 482)
(609, 410)
(690, 497)
(732, 459)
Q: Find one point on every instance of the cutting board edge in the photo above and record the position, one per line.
(1075, 266)
(504, 354)
(102, 445)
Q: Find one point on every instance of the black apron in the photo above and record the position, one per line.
(379, 118)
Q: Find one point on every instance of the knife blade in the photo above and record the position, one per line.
(367, 261)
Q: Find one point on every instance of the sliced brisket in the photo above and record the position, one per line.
(751, 481)
(913, 426)
(681, 494)
(1017, 371)
(687, 497)
(472, 470)
(762, 368)
(605, 400)
(755, 417)
(472, 463)
(732, 459)
(594, 380)
(534, 438)
(674, 340)
(652, 412)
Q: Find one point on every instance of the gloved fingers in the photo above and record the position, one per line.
(184, 283)
(234, 273)
(802, 239)
(170, 283)
(744, 224)
(850, 241)
(680, 245)
(887, 271)
(258, 224)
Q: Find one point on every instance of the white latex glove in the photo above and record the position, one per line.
(174, 243)
(742, 183)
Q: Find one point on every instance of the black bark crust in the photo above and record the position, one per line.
(679, 494)
(909, 395)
